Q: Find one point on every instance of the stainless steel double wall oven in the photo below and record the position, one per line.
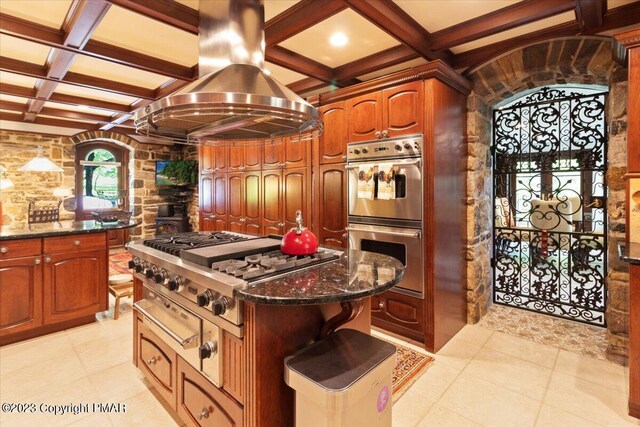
(392, 225)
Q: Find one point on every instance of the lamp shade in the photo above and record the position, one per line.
(40, 164)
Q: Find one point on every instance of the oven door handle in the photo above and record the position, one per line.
(413, 162)
(185, 343)
(416, 234)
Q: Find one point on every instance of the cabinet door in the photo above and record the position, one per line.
(157, 361)
(116, 237)
(252, 206)
(21, 294)
(219, 217)
(333, 141)
(273, 154)
(272, 202)
(75, 285)
(253, 157)
(364, 115)
(332, 205)
(200, 404)
(205, 193)
(207, 223)
(220, 160)
(296, 152)
(235, 202)
(399, 313)
(236, 157)
(206, 155)
(403, 108)
(295, 197)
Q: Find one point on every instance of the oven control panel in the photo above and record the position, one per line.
(392, 148)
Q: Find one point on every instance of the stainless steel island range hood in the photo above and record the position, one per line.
(234, 98)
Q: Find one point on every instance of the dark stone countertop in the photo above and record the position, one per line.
(8, 232)
(357, 274)
(629, 252)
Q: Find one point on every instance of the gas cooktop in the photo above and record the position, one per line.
(177, 242)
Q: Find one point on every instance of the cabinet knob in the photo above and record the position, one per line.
(344, 158)
(345, 235)
(204, 414)
(47, 259)
(4, 249)
(152, 361)
(385, 133)
(76, 242)
(381, 304)
(378, 134)
(37, 261)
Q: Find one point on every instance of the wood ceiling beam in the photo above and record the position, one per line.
(26, 30)
(299, 17)
(306, 85)
(76, 79)
(15, 106)
(25, 92)
(47, 121)
(618, 17)
(298, 63)
(390, 18)
(81, 21)
(590, 14)
(386, 58)
(166, 11)
(509, 17)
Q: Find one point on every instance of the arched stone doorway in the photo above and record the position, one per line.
(576, 60)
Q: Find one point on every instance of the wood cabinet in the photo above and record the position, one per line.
(201, 404)
(332, 205)
(295, 197)
(272, 202)
(244, 210)
(332, 144)
(51, 284)
(21, 294)
(392, 112)
(74, 285)
(117, 238)
(157, 361)
(399, 313)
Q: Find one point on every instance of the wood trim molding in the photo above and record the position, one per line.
(306, 85)
(299, 63)
(383, 59)
(509, 17)
(434, 69)
(629, 39)
(166, 11)
(590, 14)
(61, 123)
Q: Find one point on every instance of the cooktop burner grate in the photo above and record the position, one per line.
(175, 243)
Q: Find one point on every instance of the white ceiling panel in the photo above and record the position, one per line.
(116, 72)
(11, 98)
(434, 15)
(393, 69)
(524, 29)
(283, 75)
(135, 32)
(47, 12)
(23, 50)
(77, 108)
(93, 93)
(612, 4)
(43, 129)
(17, 79)
(364, 39)
(271, 7)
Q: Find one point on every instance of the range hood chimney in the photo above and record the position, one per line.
(234, 99)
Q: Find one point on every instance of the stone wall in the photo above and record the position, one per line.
(144, 198)
(575, 60)
(190, 152)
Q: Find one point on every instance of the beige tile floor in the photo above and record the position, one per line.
(482, 377)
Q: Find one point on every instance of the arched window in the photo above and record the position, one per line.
(101, 178)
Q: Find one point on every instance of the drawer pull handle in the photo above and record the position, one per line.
(204, 414)
(4, 249)
(47, 259)
(378, 134)
(37, 261)
(76, 242)
(152, 361)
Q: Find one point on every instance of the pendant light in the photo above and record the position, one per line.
(4, 181)
(40, 163)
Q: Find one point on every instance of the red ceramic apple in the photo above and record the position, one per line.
(299, 241)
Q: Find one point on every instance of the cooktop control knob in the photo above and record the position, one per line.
(219, 306)
(204, 299)
(140, 267)
(365, 150)
(398, 147)
(133, 262)
(160, 276)
(151, 271)
(407, 146)
(208, 349)
(175, 283)
(356, 151)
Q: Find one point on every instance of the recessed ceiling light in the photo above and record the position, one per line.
(338, 39)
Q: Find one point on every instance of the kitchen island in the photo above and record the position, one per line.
(53, 276)
(280, 315)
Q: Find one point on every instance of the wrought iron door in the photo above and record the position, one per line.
(549, 157)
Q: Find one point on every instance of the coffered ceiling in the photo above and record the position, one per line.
(70, 65)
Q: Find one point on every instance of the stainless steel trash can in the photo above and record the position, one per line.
(344, 380)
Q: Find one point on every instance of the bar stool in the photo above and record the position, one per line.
(120, 285)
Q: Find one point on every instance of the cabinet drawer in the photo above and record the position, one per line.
(74, 243)
(200, 403)
(399, 313)
(157, 361)
(20, 248)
